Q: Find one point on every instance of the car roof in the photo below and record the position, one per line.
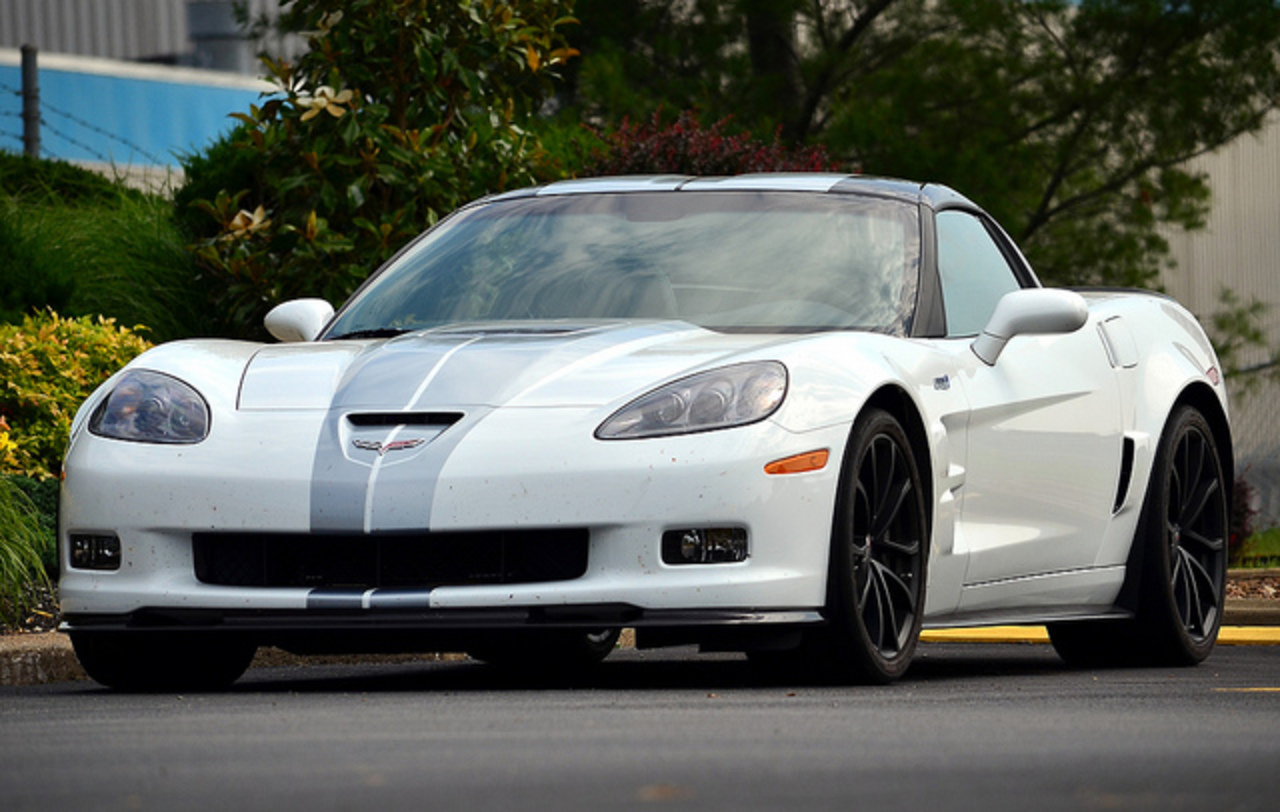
(931, 194)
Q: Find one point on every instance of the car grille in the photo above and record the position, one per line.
(377, 561)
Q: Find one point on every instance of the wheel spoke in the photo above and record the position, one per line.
(909, 547)
(886, 639)
(886, 471)
(1187, 596)
(1209, 544)
(887, 606)
(891, 514)
(1194, 508)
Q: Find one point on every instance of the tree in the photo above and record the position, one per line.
(1069, 121)
(400, 111)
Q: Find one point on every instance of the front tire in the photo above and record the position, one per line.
(879, 548)
(162, 661)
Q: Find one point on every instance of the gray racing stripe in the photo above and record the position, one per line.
(356, 489)
(335, 599)
(400, 599)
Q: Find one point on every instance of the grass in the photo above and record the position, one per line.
(1262, 549)
(20, 564)
(84, 245)
(122, 258)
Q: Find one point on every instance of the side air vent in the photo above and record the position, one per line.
(404, 418)
(1126, 474)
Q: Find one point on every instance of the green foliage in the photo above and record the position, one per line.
(398, 113)
(51, 181)
(20, 565)
(1262, 549)
(79, 244)
(43, 495)
(1236, 330)
(1070, 121)
(30, 276)
(224, 164)
(48, 366)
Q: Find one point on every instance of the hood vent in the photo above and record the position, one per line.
(404, 418)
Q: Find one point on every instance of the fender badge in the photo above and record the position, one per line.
(383, 448)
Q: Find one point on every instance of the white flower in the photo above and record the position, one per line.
(326, 100)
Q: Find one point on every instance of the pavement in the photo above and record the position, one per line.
(36, 659)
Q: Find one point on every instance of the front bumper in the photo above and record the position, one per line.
(367, 631)
(255, 474)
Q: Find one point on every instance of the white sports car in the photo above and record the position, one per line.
(798, 416)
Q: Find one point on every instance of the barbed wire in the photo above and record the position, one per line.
(96, 129)
(46, 127)
(12, 135)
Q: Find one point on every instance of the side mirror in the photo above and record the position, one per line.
(1031, 311)
(299, 320)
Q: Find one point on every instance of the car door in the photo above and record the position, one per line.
(1044, 437)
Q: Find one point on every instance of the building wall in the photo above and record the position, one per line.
(195, 33)
(123, 115)
(1240, 250)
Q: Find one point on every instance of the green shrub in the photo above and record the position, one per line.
(80, 244)
(20, 564)
(397, 113)
(30, 275)
(227, 163)
(43, 495)
(48, 366)
(1262, 549)
(44, 181)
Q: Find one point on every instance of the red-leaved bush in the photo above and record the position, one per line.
(688, 148)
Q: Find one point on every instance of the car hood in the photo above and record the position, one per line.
(534, 365)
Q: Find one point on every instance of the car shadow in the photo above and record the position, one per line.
(631, 670)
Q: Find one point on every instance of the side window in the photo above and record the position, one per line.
(973, 271)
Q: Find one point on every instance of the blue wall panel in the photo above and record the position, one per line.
(118, 119)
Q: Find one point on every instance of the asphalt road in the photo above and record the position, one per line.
(983, 727)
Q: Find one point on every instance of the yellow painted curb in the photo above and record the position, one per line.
(1250, 635)
(1228, 636)
(987, 634)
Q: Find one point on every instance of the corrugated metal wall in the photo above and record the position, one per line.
(116, 29)
(154, 30)
(1240, 250)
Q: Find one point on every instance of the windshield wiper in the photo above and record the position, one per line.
(372, 332)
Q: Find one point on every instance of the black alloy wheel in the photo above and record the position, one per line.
(1187, 524)
(879, 549)
(1179, 561)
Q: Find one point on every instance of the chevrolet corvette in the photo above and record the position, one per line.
(797, 416)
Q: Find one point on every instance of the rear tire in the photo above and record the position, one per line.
(1183, 562)
(162, 661)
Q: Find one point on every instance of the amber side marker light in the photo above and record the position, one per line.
(799, 463)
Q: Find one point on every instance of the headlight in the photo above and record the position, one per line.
(151, 407)
(716, 399)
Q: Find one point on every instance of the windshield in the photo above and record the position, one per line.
(731, 261)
